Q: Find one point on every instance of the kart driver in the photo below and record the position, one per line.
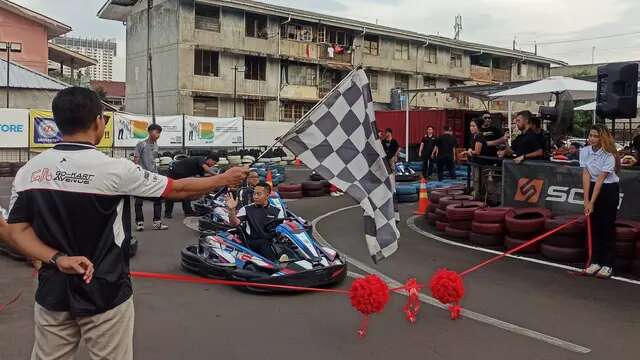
(245, 193)
(257, 216)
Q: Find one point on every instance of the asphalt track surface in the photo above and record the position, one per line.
(590, 319)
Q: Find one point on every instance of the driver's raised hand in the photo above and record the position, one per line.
(232, 203)
(235, 175)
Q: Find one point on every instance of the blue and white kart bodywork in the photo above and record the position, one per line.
(224, 254)
(405, 173)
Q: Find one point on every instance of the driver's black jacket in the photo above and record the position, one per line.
(256, 217)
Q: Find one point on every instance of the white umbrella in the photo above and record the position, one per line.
(541, 90)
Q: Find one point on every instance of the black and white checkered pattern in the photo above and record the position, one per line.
(338, 140)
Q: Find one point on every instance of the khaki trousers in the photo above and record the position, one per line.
(107, 336)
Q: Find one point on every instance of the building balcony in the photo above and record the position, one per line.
(299, 50)
(224, 86)
(487, 74)
(299, 92)
(344, 57)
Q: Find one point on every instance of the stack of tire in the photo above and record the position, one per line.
(626, 241)
(567, 245)
(406, 192)
(442, 218)
(290, 191)
(488, 227)
(434, 199)
(315, 188)
(460, 216)
(6, 169)
(523, 225)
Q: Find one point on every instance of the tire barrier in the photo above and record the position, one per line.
(484, 228)
(463, 211)
(457, 233)
(491, 215)
(525, 222)
(563, 254)
(511, 242)
(460, 224)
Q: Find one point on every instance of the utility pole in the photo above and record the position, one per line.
(593, 55)
(9, 47)
(236, 70)
(150, 63)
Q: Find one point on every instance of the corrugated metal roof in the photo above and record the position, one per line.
(21, 77)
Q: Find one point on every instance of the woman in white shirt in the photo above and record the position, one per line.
(600, 164)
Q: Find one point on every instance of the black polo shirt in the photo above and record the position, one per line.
(390, 147)
(491, 133)
(526, 143)
(76, 199)
(188, 167)
(257, 217)
(428, 143)
(446, 143)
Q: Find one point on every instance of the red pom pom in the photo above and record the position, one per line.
(447, 287)
(369, 294)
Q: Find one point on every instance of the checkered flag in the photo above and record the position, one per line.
(338, 139)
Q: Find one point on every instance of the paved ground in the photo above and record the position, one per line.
(186, 321)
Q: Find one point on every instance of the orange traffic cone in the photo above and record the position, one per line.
(269, 179)
(298, 162)
(423, 202)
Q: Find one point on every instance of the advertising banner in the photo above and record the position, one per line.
(45, 133)
(131, 129)
(14, 128)
(210, 131)
(558, 187)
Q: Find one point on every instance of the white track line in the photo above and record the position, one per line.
(466, 313)
(412, 225)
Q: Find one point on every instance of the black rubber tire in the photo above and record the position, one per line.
(463, 211)
(407, 178)
(526, 220)
(312, 185)
(626, 231)
(510, 243)
(574, 241)
(457, 233)
(405, 198)
(315, 177)
(625, 250)
(431, 219)
(441, 215)
(457, 199)
(491, 215)
(292, 195)
(564, 254)
(573, 229)
(488, 228)
(289, 188)
(441, 225)
(314, 193)
(432, 207)
(402, 189)
(436, 195)
(460, 224)
(486, 240)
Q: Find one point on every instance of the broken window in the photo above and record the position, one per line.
(207, 17)
(456, 60)
(338, 37)
(297, 32)
(256, 25)
(293, 111)
(402, 50)
(205, 62)
(371, 45)
(255, 68)
(432, 55)
(205, 106)
(298, 74)
(254, 110)
(402, 81)
(373, 81)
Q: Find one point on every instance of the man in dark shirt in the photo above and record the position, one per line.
(527, 145)
(494, 136)
(190, 167)
(426, 150)
(391, 148)
(70, 209)
(444, 152)
(257, 217)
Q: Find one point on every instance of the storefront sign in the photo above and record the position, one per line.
(14, 128)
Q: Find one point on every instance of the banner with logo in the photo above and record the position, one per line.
(45, 133)
(14, 128)
(210, 131)
(131, 129)
(558, 187)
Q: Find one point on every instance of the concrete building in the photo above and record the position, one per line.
(113, 91)
(103, 51)
(29, 89)
(290, 58)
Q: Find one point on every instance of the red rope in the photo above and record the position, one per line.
(3, 306)
(519, 247)
(589, 241)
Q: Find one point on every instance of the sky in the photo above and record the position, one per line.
(568, 30)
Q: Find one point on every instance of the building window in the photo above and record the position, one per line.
(205, 107)
(207, 17)
(293, 111)
(297, 74)
(456, 60)
(402, 50)
(371, 45)
(256, 26)
(519, 68)
(335, 37)
(297, 32)
(205, 63)
(373, 81)
(254, 110)
(432, 55)
(402, 81)
(255, 68)
(429, 82)
(540, 71)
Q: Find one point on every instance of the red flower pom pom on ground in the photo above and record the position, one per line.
(369, 294)
(447, 287)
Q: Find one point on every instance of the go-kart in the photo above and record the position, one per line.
(225, 255)
(405, 174)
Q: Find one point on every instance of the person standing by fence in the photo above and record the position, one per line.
(145, 155)
(600, 184)
(426, 151)
(445, 153)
